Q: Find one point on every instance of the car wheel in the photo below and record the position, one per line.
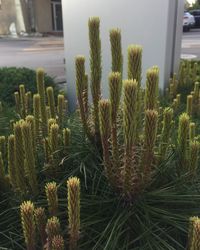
(187, 29)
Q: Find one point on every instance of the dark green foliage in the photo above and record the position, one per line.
(189, 73)
(12, 77)
(195, 5)
(158, 219)
(7, 115)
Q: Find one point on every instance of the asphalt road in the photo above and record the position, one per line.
(191, 44)
(45, 52)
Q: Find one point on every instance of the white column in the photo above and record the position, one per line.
(150, 23)
(19, 17)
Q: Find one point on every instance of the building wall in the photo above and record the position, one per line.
(15, 13)
(43, 16)
(7, 15)
(18, 12)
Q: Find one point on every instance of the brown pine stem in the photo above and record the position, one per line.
(28, 224)
(130, 175)
(115, 147)
(150, 131)
(73, 186)
(82, 93)
(96, 70)
(115, 84)
(105, 128)
(40, 219)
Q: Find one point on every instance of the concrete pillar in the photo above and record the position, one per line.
(154, 24)
(20, 22)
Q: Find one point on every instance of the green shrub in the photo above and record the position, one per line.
(12, 77)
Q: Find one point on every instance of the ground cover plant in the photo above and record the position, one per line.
(122, 173)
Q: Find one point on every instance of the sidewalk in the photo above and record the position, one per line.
(34, 52)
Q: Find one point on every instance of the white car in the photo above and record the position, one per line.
(188, 21)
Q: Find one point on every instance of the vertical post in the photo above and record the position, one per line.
(31, 15)
(154, 24)
(19, 17)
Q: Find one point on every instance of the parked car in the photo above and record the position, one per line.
(188, 21)
(196, 14)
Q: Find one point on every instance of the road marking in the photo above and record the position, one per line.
(188, 56)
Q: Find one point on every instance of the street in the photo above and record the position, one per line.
(191, 44)
(48, 52)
